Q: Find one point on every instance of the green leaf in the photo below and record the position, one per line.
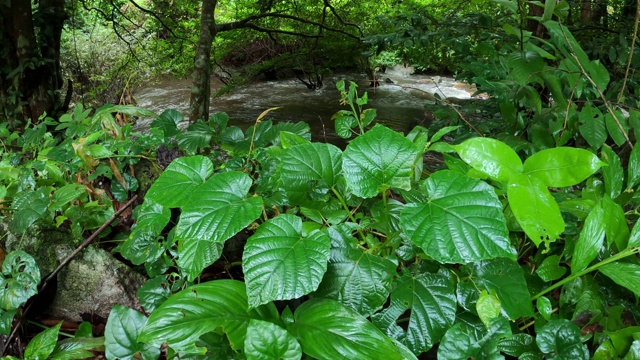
(154, 292)
(217, 210)
(562, 166)
(617, 127)
(30, 207)
(598, 74)
(344, 124)
(20, 281)
(197, 310)
(378, 160)
(121, 334)
(143, 245)
(592, 127)
(488, 307)
(66, 194)
(168, 122)
(615, 223)
(544, 307)
(518, 344)
(550, 269)
(327, 330)
(634, 238)
(506, 278)
(179, 180)
(42, 345)
(280, 263)
(309, 169)
(76, 348)
(461, 222)
(267, 341)
(560, 339)
(624, 274)
(196, 138)
(613, 174)
(492, 157)
(358, 279)
(590, 240)
(289, 139)
(430, 301)
(535, 209)
(467, 340)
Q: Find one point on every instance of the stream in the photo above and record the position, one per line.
(399, 100)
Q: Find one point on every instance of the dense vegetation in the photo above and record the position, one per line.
(521, 241)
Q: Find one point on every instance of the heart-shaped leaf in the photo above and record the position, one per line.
(266, 341)
(121, 334)
(178, 181)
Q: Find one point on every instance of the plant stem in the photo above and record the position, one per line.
(346, 207)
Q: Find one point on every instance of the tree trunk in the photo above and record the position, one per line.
(585, 12)
(534, 25)
(201, 89)
(30, 78)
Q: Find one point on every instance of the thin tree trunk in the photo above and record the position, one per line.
(201, 89)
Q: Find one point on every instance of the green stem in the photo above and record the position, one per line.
(346, 207)
(620, 255)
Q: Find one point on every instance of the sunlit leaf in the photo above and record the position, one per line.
(178, 181)
(624, 274)
(590, 241)
(562, 166)
(492, 157)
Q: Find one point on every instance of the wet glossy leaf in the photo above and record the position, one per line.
(562, 166)
(634, 238)
(30, 207)
(492, 157)
(613, 174)
(20, 280)
(615, 223)
(430, 301)
(592, 127)
(143, 245)
(267, 341)
(590, 241)
(358, 279)
(550, 269)
(289, 139)
(535, 209)
(179, 180)
(76, 348)
(280, 263)
(624, 274)
(196, 138)
(217, 210)
(153, 293)
(121, 334)
(488, 307)
(65, 195)
(506, 278)
(518, 344)
(197, 310)
(468, 340)
(633, 177)
(168, 122)
(617, 127)
(344, 124)
(42, 345)
(544, 307)
(462, 221)
(327, 330)
(378, 160)
(560, 339)
(307, 169)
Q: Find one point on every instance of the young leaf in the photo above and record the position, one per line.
(178, 181)
(266, 341)
(624, 274)
(358, 279)
(121, 334)
(590, 240)
(561, 339)
(217, 210)
(327, 330)
(280, 263)
(562, 166)
(431, 302)
(535, 209)
(473, 340)
(492, 157)
(378, 160)
(197, 310)
(42, 345)
(488, 307)
(462, 221)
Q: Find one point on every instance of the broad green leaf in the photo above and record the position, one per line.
(490, 156)
(280, 263)
(267, 341)
(473, 340)
(121, 334)
(544, 307)
(66, 194)
(358, 279)
(506, 278)
(624, 274)
(143, 245)
(633, 177)
(179, 180)
(20, 281)
(76, 348)
(617, 127)
(30, 207)
(42, 345)
(613, 174)
(518, 344)
(327, 330)
(590, 241)
(6, 318)
(196, 138)
(634, 238)
(153, 293)
(535, 209)
(197, 310)
(560, 339)
(430, 301)
(599, 74)
(550, 269)
(562, 166)
(592, 127)
(168, 122)
(344, 124)
(462, 221)
(634, 351)
(488, 307)
(309, 169)
(217, 210)
(615, 223)
(219, 121)
(378, 160)
(289, 139)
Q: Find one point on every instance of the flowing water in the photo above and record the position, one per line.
(399, 101)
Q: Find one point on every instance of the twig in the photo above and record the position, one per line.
(633, 44)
